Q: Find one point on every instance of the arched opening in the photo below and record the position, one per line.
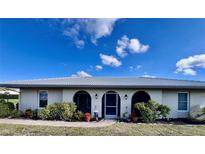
(138, 97)
(83, 101)
(111, 105)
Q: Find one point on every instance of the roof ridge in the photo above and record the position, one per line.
(103, 77)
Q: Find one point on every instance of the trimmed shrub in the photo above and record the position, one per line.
(78, 116)
(44, 114)
(35, 114)
(15, 114)
(67, 116)
(163, 111)
(147, 113)
(10, 105)
(59, 111)
(152, 110)
(6, 109)
(2, 101)
(62, 111)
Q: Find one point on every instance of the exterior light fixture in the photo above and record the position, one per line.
(96, 96)
(125, 96)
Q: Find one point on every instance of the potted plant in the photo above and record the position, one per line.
(134, 117)
(28, 113)
(87, 117)
(125, 116)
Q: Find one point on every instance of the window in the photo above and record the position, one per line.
(183, 101)
(43, 98)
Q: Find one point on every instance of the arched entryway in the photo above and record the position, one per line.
(138, 97)
(83, 101)
(111, 105)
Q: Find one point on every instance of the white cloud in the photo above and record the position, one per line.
(122, 45)
(110, 60)
(98, 28)
(136, 47)
(81, 74)
(186, 66)
(149, 76)
(189, 71)
(94, 29)
(98, 67)
(134, 68)
(125, 45)
(73, 33)
(131, 68)
(79, 43)
(139, 66)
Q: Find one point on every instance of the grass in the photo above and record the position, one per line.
(118, 129)
(15, 101)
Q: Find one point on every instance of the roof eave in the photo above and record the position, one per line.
(100, 86)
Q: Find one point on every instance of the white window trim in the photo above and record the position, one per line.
(39, 99)
(188, 101)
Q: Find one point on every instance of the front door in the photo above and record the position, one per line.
(111, 100)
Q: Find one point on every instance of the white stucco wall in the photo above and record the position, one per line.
(55, 95)
(197, 97)
(29, 98)
(170, 98)
(97, 103)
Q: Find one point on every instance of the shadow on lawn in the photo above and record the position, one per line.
(178, 121)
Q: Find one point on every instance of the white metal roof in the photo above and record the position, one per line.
(106, 82)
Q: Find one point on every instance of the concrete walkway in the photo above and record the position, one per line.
(102, 123)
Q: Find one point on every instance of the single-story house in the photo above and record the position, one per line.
(9, 91)
(110, 96)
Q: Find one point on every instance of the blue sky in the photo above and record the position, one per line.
(44, 48)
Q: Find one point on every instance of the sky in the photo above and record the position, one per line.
(47, 48)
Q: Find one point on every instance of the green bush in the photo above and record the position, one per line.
(10, 105)
(62, 111)
(35, 114)
(67, 116)
(152, 110)
(78, 116)
(59, 111)
(6, 109)
(15, 114)
(44, 114)
(203, 110)
(163, 111)
(2, 101)
(148, 114)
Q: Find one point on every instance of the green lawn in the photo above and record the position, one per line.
(15, 101)
(119, 129)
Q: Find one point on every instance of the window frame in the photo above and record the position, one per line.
(39, 99)
(188, 101)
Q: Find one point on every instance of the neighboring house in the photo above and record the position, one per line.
(110, 96)
(9, 91)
